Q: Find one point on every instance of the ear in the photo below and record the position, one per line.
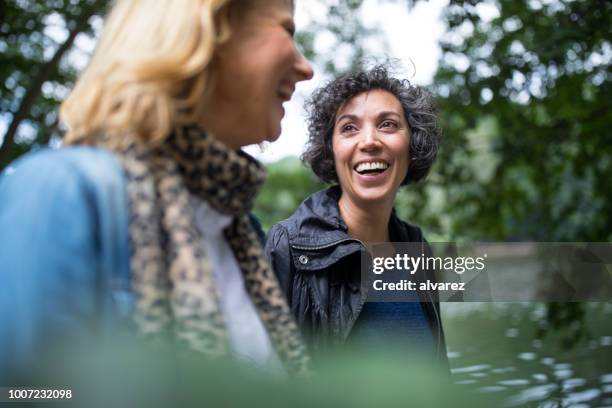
(223, 16)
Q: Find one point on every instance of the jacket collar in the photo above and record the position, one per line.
(317, 222)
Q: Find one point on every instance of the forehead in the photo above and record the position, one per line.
(373, 101)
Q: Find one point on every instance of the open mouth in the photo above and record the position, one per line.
(285, 93)
(374, 167)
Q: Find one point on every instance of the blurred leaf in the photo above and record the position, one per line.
(288, 183)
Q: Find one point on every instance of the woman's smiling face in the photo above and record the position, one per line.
(370, 143)
(257, 69)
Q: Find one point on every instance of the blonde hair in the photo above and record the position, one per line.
(150, 71)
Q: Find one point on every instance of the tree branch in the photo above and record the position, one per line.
(34, 90)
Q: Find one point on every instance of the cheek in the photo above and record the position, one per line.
(276, 60)
(402, 151)
(340, 154)
(339, 165)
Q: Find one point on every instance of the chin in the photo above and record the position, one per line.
(264, 136)
(273, 134)
(375, 195)
(272, 138)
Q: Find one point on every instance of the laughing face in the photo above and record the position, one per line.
(257, 69)
(370, 144)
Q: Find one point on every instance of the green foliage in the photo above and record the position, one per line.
(344, 25)
(35, 37)
(567, 321)
(526, 111)
(287, 185)
(523, 97)
(126, 371)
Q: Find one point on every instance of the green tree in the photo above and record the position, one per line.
(524, 93)
(33, 69)
(346, 34)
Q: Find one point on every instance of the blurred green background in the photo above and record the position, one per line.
(525, 101)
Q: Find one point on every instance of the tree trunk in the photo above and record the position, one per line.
(35, 88)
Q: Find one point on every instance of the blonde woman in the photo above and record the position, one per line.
(143, 215)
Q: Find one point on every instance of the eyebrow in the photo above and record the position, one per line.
(346, 116)
(382, 114)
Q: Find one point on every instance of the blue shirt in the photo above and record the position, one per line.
(401, 324)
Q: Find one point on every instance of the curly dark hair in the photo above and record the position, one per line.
(419, 109)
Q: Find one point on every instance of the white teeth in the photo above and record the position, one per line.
(371, 166)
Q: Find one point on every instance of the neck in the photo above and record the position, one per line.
(367, 223)
(227, 139)
(217, 125)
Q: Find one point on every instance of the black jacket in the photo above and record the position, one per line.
(318, 266)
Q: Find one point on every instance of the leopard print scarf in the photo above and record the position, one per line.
(172, 276)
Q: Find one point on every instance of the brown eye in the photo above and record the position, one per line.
(348, 128)
(389, 124)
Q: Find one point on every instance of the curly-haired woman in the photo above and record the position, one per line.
(370, 134)
(143, 215)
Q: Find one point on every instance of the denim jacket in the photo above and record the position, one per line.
(64, 250)
(64, 255)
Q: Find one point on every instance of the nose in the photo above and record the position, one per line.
(302, 67)
(369, 140)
